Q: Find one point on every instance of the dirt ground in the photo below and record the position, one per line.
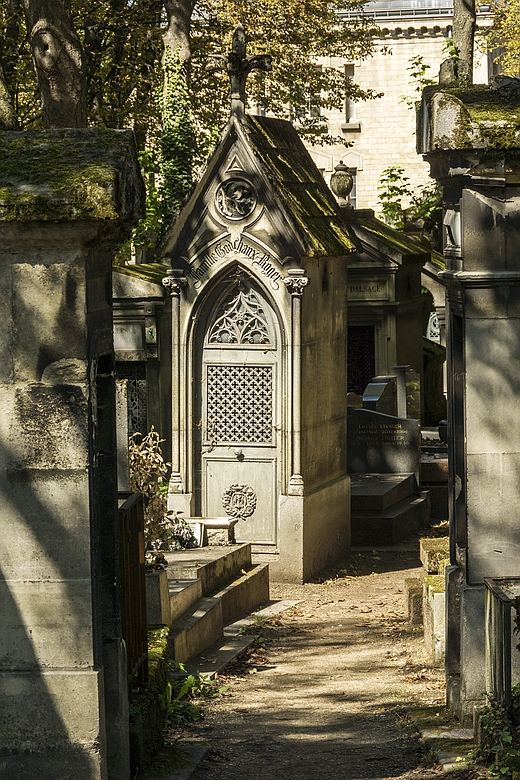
(325, 691)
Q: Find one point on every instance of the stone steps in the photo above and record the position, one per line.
(208, 589)
(392, 526)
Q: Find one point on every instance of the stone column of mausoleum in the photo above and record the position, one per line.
(471, 139)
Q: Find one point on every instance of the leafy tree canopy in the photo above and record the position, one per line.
(504, 34)
(123, 49)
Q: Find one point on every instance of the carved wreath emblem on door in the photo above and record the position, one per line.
(239, 501)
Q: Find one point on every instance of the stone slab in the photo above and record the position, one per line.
(214, 566)
(434, 469)
(413, 587)
(183, 595)
(158, 610)
(378, 492)
(434, 622)
(433, 552)
(196, 630)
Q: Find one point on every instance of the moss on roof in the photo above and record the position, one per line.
(366, 225)
(438, 260)
(63, 175)
(320, 222)
(151, 272)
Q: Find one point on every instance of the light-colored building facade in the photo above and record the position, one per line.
(382, 131)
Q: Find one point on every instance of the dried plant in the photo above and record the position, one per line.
(148, 475)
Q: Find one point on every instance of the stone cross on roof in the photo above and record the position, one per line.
(238, 66)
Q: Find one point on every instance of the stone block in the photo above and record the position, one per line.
(245, 594)
(414, 599)
(493, 543)
(433, 553)
(46, 529)
(196, 630)
(49, 326)
(158, 598)
(52, 725)
(472, 650)
(434, 623)
(183, 595)
(62, 443)
(46, 624)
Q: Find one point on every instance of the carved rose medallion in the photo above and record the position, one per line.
(239, 501)
(235, 199)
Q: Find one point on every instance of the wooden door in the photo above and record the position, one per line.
(240, 399)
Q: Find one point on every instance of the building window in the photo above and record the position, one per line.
(350, 105)
(352, 198)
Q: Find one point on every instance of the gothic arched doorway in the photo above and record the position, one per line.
(238, 444)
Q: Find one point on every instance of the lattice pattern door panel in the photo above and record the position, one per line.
(240, 411)
(239, 404)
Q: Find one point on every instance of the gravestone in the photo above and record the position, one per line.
(381, 443)
(63, 676)
(383, 457)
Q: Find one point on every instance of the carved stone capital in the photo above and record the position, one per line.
(174, 282)
(296, 284)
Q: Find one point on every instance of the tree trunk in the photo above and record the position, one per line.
(8, 119)
(59, 63)
(176, 39)
(464, 22)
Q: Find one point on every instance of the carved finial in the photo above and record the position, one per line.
(238, 66)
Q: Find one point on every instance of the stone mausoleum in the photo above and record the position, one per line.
(471, 139)
(259, 324)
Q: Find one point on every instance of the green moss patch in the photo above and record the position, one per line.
(61, 175)
(151, 272)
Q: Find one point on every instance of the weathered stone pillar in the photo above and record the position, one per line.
(471, 139)
(67, 200)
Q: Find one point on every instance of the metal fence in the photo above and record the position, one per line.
(501, 597)
(133, 586)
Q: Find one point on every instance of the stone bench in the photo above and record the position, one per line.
(213, 530)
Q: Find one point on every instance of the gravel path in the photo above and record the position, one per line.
(323, 694)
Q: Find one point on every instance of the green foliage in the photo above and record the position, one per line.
(417, 69)
(177, 701)
(393, 188)
(176, 143)
(402, 206)
(146, 711)
(295, 34)
(503, 37)
(499, 744)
